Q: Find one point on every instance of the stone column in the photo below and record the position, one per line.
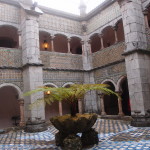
(82, 43)
(120, 104)
(31, 63)
(103, 113)
(69, 39)
(22, 118)
(146, 18)
(101, 40)
(19, 38)
(115, 31)
(90, 50)
(137, 57)
(52, 43)
(60, 108)
(80, 106)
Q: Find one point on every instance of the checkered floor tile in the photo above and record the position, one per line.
(113, 135)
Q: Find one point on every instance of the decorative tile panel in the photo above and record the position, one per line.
(61, 61)
(10, 57)
(108, 55)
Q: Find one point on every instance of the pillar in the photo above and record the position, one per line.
(80, 106)
(52, 43)
(146, 18)
(31, 63)
(101, 95)
(69, 39)
(82, 43)
(19, 37)
(137, 57)
(90, 48)
(120, 104)
(115, 31)
(101, 40)
(22, 118)
(60, 108)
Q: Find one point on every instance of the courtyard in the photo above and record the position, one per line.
(113, 135)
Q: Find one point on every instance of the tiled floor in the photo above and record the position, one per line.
(113, 135)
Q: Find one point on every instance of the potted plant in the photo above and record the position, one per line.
(70, 125)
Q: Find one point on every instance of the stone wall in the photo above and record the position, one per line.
(9, 13)
(61, 61)
(10, 57)
(59, 78)
(104, 17)
(13, 76)
(108, 55)
(113, 72)
(59, 24)
(148, 38)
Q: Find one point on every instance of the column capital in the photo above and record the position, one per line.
(114, 28)
(145, 12)
(68, 39)
(52, 37)
(82, 42)
(21, 101)
(100, 35)
(101, 95)
(89, 41)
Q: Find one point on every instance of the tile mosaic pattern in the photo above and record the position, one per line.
(113, 135)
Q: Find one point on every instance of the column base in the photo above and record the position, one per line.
(22, 123)
(103, 114)
(121, 114)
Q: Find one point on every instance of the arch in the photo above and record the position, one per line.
(75, 45)
(20, 93)
(95, 42)
(50, 84)
(9, 108)
(52, 109)
(109, 80)
(119, 82)
(60, 43)
(9, 25)
(9, 36)
(108, 36)
(111, 101)
(68, 83)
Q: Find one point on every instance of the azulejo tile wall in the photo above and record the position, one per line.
(113, 72)
(9, 13)
(10, 57)
(108, 55)
(61, 61)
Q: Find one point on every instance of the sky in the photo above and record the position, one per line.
(70, 6)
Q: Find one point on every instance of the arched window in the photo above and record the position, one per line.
(60, 43)
(108, 36)
(95, 43)
(8, 37)
(75, 45)
(120, 31)
(45, 41)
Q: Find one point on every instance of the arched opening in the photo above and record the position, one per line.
(9, 107)
(108, 36)
(52, 109)
(95, 43)
(9, 37)
(60, 43)
(45, 41)
(125, 98)
(120, 31)
(111, 101)
(66, 104)
(75, 45)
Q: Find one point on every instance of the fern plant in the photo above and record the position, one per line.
(71, 94)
